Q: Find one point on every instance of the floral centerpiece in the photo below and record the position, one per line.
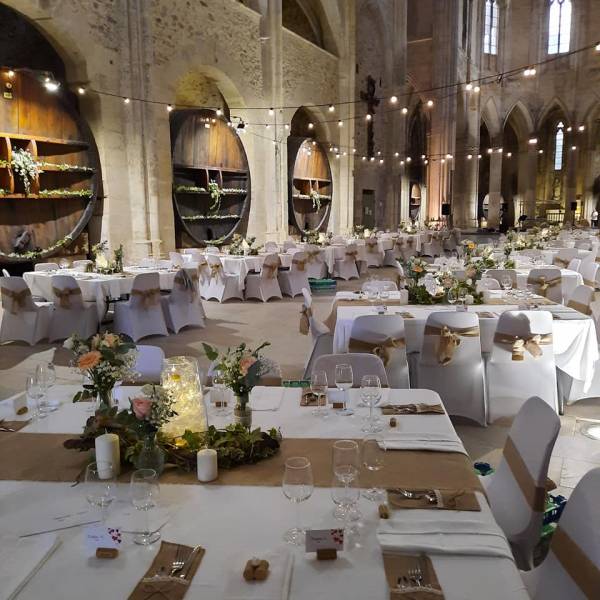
(239, 369)
(468, 247)
(105, 359)
(415, 268)
(312, 236)
(235, 248)
(251, 248)
(25, 166)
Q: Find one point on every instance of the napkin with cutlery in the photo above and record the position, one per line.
(400, 573)
(413, 409)
(21, 558)
(275, 587)
(432, 499)
(266, 398)
(12, 426)
(434, 442)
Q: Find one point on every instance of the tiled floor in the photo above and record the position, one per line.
(277, 321)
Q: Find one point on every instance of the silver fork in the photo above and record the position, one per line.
(416, 575)
(179, 561)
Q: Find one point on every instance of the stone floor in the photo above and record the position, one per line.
(277, 321)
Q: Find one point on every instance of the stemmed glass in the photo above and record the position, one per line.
(370, 392)
(219, 394)
(345, 460)
(345, 497)
(100, 486)
(344, 379)
(452, 296)
(35, 393)
(144, 492)
(372, 460)
(297, 486)
(462, 296)
(318, 386)
(45, 374)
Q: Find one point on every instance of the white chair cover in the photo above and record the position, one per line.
(142, 314)
(316, 267)
(22, 319)
(574, 264)
(345, 267)
(552, 277)
(387, 331)
(516, 491)
(176, 259)
(510, 381)
(322, 338)
(203, 271)
(265, 285)
(362, 364)
(433, 246)
(589, 272)
(70, 314)
(500, 274)
(564, 256)
(49, 266)
(271, 247)
(288, 245)
(487, 283)
(222, 286)
(295, 279)
(212, 250)
(82, 265)
(149, 364)
(373, 254)
(574, 549)
(581, 299)
(183, 306)
(459, 382)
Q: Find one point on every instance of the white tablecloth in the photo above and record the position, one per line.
(575, 344)
(232, 521)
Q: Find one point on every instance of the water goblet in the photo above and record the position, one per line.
(144, 492)
(99, 486)
(45, 373)
(318, 386)
(345, 497)
(370, 390)
(297, 486)
(35, 393)
(346, 460)
(344, 379)
(452, 296)
(372, 460)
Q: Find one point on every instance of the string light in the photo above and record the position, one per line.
(405, 111)
(449, 156)
(423, 156)
(408, 159)
(394, 99)
(582, 128)
(81, 90)
(396, 154)
(569, 129)
(540, 152)
(499, 151)
(598, 47)
(126, 100)
(340, 123)
(286, 126)
(331, 108)
(469, 87)
(10, 73)
(381, 161)
(477, 89)
(378, 152)
(573, 147)
(401, 163)
(369, 116)
(469, 156)
(219, 112)
(532, 141)
(267, 126)
(443, 160)
(364, 158)
(372, 158)
(479, 157)
(530, 72)
(311, 125)
(51, 85)
(271, 112)
(169, 108)
(490, 150)
(429, 103)
(508, 154)
(426, 162)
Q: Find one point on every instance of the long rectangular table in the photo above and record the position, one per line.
(234, 523)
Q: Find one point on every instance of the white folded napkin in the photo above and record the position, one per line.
(275, 587)
(346, 296)
(20, 559)
(434, 442)
(266, 398)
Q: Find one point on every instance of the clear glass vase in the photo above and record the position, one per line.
(151, 455)
(104, 399)
(242, 413)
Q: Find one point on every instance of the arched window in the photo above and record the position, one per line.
(559, 26)
(559, 142)
(490, 28)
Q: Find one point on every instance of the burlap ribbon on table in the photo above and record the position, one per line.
(351, 254)
(534, 494)
(215, 270)
(449, 339)
(64, 295)
(312, 255)
(271, 268)
(542, 283)
(305, 315)
(576, 563)
(372, 246)
(520, 344)
(148, 297)
(15, 301)
(300, 264)
(381, 349)
(579, 307)
(560, 262)
(188, 283)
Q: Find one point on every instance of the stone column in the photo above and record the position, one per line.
(495, 193)
(528, 179)
(570, 182)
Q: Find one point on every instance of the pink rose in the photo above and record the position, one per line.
(141, 408)
(246, 363)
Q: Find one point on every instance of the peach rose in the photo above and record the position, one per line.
(110, 339)
(89, 360)
(246, 363)
(141, 408)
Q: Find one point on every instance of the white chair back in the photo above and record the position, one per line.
(288, 245)
(176, 259)
(362, 364)
(500, 274)
(16, 296)
(49, 266)
(66, 293)
(401, 279)
(299, 262)
(270, 266)
(82, 265)
(149, 363)
(185, 287)
(271, 247)
(581, 299)
(212, 250)
(215, 266)
(589, 272)
(574, 264)
(487, 283)
(547, 283)
(516, 491)
(145, 291)
(564, 256)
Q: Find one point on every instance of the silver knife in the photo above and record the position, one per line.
(188, 563)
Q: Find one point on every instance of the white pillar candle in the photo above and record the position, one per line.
(207, 464)
(108, 453)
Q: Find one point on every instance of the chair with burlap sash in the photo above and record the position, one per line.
(322, 337)
(500, 274)
(345, 267)
(581, 299)
(293, 280)
(142, 314)
(373, 254)
(433, 246)
(571, 568)
(70, 314)
(521, 363)
(589, 272)
(224, 285)
(361, 363)
(383, 336)
(183, 306)
(450, 363)
(546, 283)
(316, 267)
(516, 491)
(23, 320)
(564, 257)
(265, 285)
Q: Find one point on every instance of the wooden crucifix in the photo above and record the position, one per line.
(372, 103)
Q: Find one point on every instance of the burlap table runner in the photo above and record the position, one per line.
(41, 457)
(398, 566)
(331, 320)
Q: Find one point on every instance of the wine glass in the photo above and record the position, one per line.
(144, 492)
(462, 295)
(506, 283)
(370, 391)
(297, 486)
(64, 263)
(100, 486)
(346, 460)
(45, 373)
(452, 296)
(318, 386)
(218, 394)
(35, 393)
(372, 460)
(344, 379)
(345, 497)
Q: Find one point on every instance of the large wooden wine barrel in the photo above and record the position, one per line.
(55, 210)
(204, 157)
(309, 173)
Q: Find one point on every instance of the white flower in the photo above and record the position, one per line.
(68, 344)
(469, 299)
(469, 281)
(431, 286)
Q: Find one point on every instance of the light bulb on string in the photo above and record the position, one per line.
(490, 150)
(331, 108)
(169, 107)
(401, 163)
(533, 141)
(271, 112)
(396, 154)
(477, 89)
(573, 147)
(311, 125)
(508, 154)
(469, 87)
(540, 152)
(369, 116)
(340, 123)
(10, 73)
(408, 159)
(126, 100)
(581, 128)
(394, 99)
(381, 161)
(219, 112)
(405, 111)
(569, 129)
(469, 156)
(429, 103)
(81, 90)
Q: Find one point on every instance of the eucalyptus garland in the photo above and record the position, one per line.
(66, 193)
(25, 166)
(215, 193)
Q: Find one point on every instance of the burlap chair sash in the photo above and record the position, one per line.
(576, 563)
(543, 284)
(580, 307)
(305, 315)
(64, 295)
(520, 344)
(300, 264)
(351, 254)
(381, 349)
(399, 243)
(449, 339)
(215, 270)
(372, 246)
(312, 255)
(15, 301)
(271, 268)
(188, 283)
(560, 262)
(534, 495)
(148, 297)
(410, 241)
(590, 282)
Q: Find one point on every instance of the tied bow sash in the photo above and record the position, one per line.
(351, 254)
(300, 264)
(579, 307)
(215, 269)
(410, 241)
(148, 298)
(305, 315)
(399, 243)
(312, 255)
(17, 299)
(560, 262)
(271, 269)
(543, 284)
(520, 344)
(381, 349)
(449, 339)
(185, 282)
(64, 296)
(371, 246)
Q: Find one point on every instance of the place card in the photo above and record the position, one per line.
(101, 536)
(324, 539)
